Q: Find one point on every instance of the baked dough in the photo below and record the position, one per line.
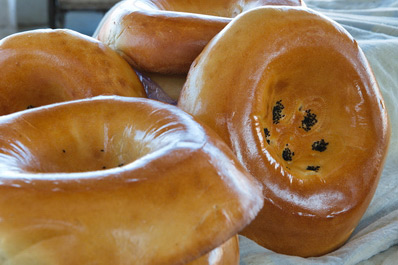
(226, 254)
(296, 100)
(117, 180)
(165, 36)
(41, 67)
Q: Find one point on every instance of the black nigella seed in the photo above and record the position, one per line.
(30, 107)
(320, 146)
(267, 135)
(287, 154)
(277, 112)
(313, 168)
(308, 121)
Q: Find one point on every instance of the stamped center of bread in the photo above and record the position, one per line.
(113, 151)
(80, 148)
(315, 117)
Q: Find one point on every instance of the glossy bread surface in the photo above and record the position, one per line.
(296, 100)
(165, 36)
(110, 178)
(226, 254)
(40, 67)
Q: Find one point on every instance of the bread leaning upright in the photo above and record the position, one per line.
(293, 95)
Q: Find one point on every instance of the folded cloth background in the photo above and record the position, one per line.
(374, 24)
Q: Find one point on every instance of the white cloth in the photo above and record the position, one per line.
(374, 24)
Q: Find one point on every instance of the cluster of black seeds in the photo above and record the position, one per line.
(309, 120)
(313, 168)
(267, 135)
(277, 112)
(287, 154)
(320, 146)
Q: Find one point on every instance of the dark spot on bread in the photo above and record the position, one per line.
(267, 135)
(313, 168)
(309, 120)
(277, 112)
(287, 154)
(320, 146)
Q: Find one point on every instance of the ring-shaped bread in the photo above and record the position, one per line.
(165, 36)
(28, 77)
(40, 67)
(117, 180)
(296, 100)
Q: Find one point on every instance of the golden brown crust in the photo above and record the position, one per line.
(40, 67)
(166, 36)
(302, 111)
(104, 180)
(226, 254)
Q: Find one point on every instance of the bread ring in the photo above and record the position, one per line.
(303, 112)
(40, 67)
(227, 253)
(117, 180)
(165, 36)
(29, 90)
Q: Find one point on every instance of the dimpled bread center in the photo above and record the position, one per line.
(80, 148)
(315, 116)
